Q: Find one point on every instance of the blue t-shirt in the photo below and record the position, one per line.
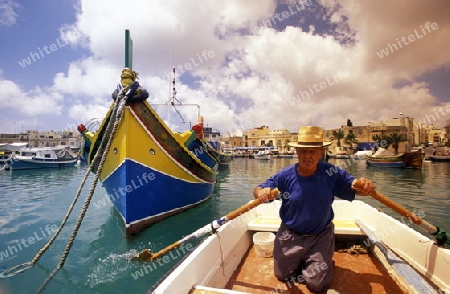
(306, 201)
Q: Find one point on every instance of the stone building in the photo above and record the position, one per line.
(45, 139)
(415, 132)
(264, 137)
(233, 141)
(9, 138)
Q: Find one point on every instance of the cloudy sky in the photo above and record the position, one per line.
(282, 63)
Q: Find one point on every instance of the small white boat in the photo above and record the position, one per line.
(262, 155)
(398, 258)
(43, 157)
(361, 155)
(342, 156)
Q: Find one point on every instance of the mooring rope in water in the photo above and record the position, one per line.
(120, 101)
(119, 104)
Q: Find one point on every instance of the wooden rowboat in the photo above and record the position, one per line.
(398, 259)
(412, 159)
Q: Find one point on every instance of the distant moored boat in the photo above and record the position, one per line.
(43, 157)
(412, 159)
(439, 158)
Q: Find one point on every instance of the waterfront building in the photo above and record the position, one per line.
(233, 141)
(362, 138)
(436, 136)
(416, 133)
(35, 138)
(264, 137)
(9, 138)
(446, 133)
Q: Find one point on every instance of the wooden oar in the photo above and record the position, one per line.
(146, 254)
(441, 236)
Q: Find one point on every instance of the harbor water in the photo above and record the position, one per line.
(33, 204)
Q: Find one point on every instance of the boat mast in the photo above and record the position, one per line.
(173, 101)
(128, 50)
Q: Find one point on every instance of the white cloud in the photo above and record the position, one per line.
(89, 77)
(8, 15)
(33, 102)
(71, 35)
(253, 79)
(82, 113)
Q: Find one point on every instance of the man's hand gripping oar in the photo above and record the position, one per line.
(146, 254)
(441, 236)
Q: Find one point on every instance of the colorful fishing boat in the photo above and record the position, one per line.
(213, 138)
(412, 159)
(391, 161)
(150, 172)
(375, 253)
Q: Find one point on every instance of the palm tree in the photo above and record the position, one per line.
(382, 141)
(286, 145)
(396, 139)
(337, 135)
(350, 139)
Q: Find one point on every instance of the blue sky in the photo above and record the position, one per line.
(37, 26)
(280, 63)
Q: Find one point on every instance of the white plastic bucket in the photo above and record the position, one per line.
(263, 242)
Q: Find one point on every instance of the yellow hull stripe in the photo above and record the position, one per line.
(132, 141)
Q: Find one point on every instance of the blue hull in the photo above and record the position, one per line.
(385, 164)
(144, 196)
(439, 158)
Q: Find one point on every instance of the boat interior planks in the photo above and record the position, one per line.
(353, 273)
(227, 261)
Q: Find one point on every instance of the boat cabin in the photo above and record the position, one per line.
(39, 153)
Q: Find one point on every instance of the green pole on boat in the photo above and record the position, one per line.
(128, 50)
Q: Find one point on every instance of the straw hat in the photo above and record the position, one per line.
(310, 136)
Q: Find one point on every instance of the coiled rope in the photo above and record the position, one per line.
(355, 250)
(116, 116)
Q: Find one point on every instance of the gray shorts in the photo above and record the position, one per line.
(304, 258)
